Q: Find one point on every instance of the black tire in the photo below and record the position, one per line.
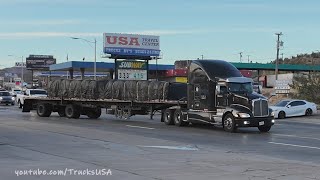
(168, 117)
(282, 115)
(62, 111)
(178, 118)
(264, 128)
(308, 112)
(20, 105)
(229, 124)
(94, 113)
(72, 111)
(44, 110)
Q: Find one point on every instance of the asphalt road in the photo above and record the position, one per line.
(140, 148)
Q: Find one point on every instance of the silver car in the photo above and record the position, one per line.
(6, 98)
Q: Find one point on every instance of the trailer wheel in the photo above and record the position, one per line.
(94, 113)
(229, 123)
(72, 111)
(178, 118)
(20, 105)
(168, 117)
(264, 128)
(62, 111)
(44, 110)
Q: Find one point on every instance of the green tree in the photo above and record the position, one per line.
(307, 87)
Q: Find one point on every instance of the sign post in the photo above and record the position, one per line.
(131, 47)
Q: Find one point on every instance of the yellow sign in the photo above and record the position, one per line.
(182, 79)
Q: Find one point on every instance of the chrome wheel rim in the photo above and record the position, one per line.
(228, 123)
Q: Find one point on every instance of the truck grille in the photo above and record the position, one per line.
(260, 108)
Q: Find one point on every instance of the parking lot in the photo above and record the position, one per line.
(140, 148)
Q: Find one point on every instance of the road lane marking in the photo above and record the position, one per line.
(183, 148)
(141, 127)
(295, 145)
(295, 136)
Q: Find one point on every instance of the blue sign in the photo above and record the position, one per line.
(131, 51)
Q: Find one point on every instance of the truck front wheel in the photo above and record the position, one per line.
(168, 117)
(264, 128)
(229, 123)
(44, 110)
(72, 111)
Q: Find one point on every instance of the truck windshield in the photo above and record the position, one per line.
(37, 92)
(240, 87)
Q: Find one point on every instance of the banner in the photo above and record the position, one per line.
(131, 44)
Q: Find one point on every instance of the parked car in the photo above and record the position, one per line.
(290, 108)
(14, 92)
(6, 98)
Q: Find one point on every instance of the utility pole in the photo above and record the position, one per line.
(201, 57)
(248, 58)
(278, 48)
(240, 53)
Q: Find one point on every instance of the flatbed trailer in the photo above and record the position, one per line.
(74, 107)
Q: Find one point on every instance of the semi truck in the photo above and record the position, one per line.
(216, 94)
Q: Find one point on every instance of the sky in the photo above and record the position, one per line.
(214, 29)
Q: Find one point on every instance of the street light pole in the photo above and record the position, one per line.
(277, 60)
(95, 59)
(95, 54)
(22, 81)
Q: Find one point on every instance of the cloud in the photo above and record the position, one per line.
(24, 35)
(50, 22)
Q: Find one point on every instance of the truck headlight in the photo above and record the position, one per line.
(272, 113)
(244, 115)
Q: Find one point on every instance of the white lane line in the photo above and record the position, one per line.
(183, 148)
(295, 136)
(294, 145)
(141, 127)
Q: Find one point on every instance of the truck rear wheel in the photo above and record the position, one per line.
(72, 111)
(94, 113)
(168, 117)
(264, 128)
(178, 118)
(229, 123)
(62, 111)
(44, 110)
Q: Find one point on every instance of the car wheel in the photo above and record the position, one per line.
(229, 124)
(178, 118)
(282, 115)
(168, 117)
(308, 112)
(264, 128)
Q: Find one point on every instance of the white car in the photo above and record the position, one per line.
(290, 108)
(30, 93)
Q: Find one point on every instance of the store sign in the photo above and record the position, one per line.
(39, 62)
(131, 44)
(132, 74)
(131, 65)
(20, 64)
(283, 86)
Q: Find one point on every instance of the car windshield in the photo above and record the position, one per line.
(4, 94)
(282, 103)
(37, 92)
(240, 87)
